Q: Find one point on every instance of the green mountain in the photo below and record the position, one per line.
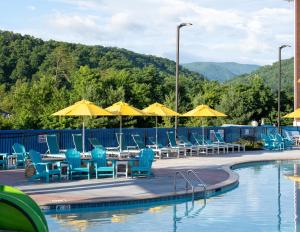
(270, 74)
(40, 77)
(21, 57)
(220, 71)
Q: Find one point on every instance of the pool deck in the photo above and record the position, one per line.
(213, 169)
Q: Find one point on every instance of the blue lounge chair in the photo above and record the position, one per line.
(95, 143)
(43, 169)
(220, 140)
(77, 141)
(74, 161)
(288, 140)
(203, 144)
(140, 144)
(53, 148)
(144, 163)
(173, 145)
(193, 149)
(124, 145)
(21, 154)
(159, 149)
(100, 163)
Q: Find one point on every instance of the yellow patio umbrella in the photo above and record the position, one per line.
(83, 108)
(157, 109)
(203, 111)
(123, 109)
(295, 114)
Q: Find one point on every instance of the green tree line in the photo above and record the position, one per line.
(38, 78)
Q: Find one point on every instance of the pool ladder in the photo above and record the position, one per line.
(190, 177)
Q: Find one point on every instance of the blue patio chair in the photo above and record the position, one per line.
(288, 141)
(268, 142)
(77, 141)
(43, 169)
(75, 164)
(52, 145)
(279, 141)
(124, 144)
(95, 143)
(183, 141)
(100, 163)
(159, 149)
(153, 143)
(144, 163)
(20, 152)
(221, 140)
(204, 145)
(140, 144)
(173, 144)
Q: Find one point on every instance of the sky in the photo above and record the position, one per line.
(243, 31)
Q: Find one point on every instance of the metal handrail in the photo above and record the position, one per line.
(187, 181)
(203, 184)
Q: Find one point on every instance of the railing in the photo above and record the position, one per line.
(192, 173)
(187, 175)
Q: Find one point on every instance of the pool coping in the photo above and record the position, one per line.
(223, 186)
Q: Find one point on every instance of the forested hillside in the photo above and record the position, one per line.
(38, 77)
(270, 74)
(220, 71)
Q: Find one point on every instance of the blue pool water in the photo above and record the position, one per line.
(264, 201)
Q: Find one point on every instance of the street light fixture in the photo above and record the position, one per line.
(177, 71)
(279, 85)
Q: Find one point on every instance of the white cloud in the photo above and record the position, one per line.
(32, 8)
(244, 31)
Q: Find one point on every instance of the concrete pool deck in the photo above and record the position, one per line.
(213, 169)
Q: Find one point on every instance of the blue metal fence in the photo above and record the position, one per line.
(33, 139)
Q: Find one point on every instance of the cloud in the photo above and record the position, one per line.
(232, 31)
(31, 7)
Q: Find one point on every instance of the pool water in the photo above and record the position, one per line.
(265, 200)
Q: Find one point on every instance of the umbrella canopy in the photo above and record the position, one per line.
(123, 109)
(295, 114)
(83, 108)
(203, 111)
(157, 109)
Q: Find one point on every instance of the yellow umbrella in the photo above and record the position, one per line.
(294, 178)
(203, 111)
(83, 108)
(123, 109)
(295, 114)
(157, 109)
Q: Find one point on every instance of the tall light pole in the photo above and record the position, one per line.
(177, 71)
(279, 86)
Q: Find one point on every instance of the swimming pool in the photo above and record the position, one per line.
(266, 200)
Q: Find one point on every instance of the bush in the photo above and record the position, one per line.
(251, 143)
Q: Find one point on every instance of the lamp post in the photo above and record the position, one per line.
(177, 71)
(279, 85)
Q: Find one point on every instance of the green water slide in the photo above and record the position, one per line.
(18, 212)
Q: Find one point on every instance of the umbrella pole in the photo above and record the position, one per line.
(83, 136)
(120, 138)
(202, 132)
(156, 130)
